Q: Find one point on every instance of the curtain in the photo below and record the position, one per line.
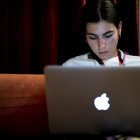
(28, 35)
(129, 39)
(34, 34)
(137, 27)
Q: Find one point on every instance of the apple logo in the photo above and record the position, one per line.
(101, 103)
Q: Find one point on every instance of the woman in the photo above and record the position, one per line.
(102, 27)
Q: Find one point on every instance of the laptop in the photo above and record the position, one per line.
(93, 100)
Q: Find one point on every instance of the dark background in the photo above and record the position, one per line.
(34, 34)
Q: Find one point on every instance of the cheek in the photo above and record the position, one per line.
(92, 43)
(112, 42)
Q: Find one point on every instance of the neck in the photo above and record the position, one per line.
(100, 61)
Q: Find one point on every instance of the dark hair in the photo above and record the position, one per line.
(96, 11)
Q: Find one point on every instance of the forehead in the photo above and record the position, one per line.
(100, 27)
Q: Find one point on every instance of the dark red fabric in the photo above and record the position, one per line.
(37, 33)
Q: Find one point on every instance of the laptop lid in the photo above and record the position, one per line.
(100, 100)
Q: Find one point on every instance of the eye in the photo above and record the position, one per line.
(108, 35)
(92, 37)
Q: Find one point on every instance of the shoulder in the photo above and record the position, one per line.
(78, 61)
(132, 60)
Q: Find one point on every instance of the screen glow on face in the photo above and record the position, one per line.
(102, 38)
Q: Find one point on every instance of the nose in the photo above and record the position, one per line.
(101, 43)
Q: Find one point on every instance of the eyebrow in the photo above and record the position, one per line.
(103, 34)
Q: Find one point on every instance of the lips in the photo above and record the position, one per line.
(103, 52)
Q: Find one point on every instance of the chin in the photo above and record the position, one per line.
(104, 58)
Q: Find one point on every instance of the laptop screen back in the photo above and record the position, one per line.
(72, 108)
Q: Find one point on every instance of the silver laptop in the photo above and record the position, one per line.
(93, 101)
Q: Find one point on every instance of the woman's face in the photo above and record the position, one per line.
(102, 38)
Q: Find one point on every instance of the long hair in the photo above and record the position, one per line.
(96, 11)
